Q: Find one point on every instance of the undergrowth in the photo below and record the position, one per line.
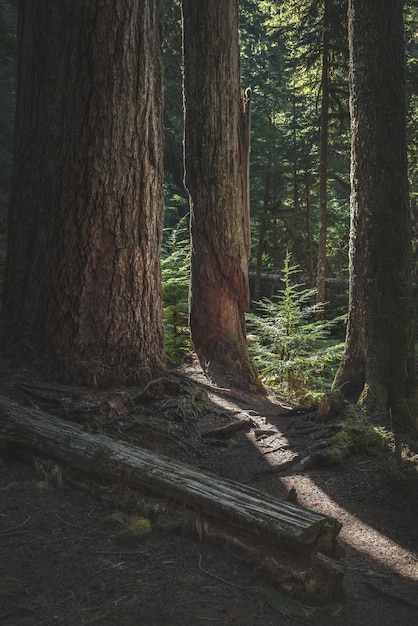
(358, 433)
(292, 349)
(175, 268)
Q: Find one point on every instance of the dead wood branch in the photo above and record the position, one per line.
(229, 429)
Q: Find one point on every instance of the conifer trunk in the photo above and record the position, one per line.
(323, 165)
(216, 159)
(82, 289)
(377, 365)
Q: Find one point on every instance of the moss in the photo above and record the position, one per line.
(137, 529)
(158, 508)
(357, 434)
(140, 526)
(113, 521)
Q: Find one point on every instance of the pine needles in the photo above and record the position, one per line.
(292, 349)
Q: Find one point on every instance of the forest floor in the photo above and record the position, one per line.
(67, 557)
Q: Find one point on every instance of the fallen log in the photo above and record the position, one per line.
(271, 522)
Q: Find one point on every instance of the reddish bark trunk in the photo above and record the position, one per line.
(216, 143)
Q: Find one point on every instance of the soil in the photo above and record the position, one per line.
(67, 556)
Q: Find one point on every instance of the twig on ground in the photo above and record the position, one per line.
(391, 595)
(227, 582)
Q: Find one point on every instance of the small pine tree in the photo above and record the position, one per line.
(289, 344)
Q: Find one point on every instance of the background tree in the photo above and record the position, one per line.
(82, 287)
(377, 365)
(216, 150)
(323, 156)
(282, 58)
(170, 11)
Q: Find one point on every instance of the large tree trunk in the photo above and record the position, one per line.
(82, 289)
(378, 358)
(216, 158)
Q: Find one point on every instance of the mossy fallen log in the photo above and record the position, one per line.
(271, 521)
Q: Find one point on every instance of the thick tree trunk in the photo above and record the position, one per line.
(378, 359)
(216, 158)
(82, 290)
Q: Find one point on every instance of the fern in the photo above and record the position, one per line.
(175, 268)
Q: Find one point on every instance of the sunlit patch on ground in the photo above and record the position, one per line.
(355, 532)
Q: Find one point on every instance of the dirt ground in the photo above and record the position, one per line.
(67, 556)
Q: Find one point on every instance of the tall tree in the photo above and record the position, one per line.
(377, 364)
(311, 115)
(216, 155)
(82, 288)
(323, 160)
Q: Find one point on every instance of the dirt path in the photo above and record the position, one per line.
(66, 558)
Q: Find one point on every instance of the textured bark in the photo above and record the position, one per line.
(216, 158)
(82, 289)
(378, 358)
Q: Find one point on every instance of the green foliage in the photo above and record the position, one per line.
(291, 348)
(281, 47)
(359, 432)
(284, 604)
(192, 406)
(175, 267)
(411, 38)
(173, 96)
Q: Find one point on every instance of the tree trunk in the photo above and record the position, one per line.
(82, 290)
(262, 235)
(377, 365)
(309, 228)
(216, 160)
(323, 165)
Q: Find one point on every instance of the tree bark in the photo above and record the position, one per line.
(309, 246)
(82, 289)
(216, 163)
(377, 365)
(262, 230)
